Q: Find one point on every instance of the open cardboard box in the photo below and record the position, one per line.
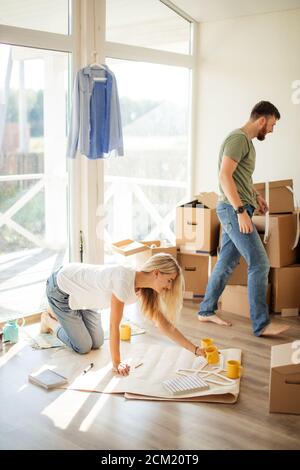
(281, 198)
(152, 248)
(197, 224)
(142, 249)
(128, 247)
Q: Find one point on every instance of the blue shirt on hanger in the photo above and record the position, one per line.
(95, 127)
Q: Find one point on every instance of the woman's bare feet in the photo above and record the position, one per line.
(274, 329)
(214, 319)
(49, 324)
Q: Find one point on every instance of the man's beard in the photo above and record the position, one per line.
(262, 133)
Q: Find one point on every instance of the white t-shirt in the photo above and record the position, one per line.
(90, 286)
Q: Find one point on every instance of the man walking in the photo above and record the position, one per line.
(239, 237)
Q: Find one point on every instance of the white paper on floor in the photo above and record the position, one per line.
(159, 363)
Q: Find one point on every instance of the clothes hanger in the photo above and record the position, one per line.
(97, 65)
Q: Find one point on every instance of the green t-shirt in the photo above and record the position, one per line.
(240, 148)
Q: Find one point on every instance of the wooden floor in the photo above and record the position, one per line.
(32, 418)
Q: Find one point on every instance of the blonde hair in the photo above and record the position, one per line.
(169, 302)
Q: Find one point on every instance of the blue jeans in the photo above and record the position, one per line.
(81, 330)
(235, 244)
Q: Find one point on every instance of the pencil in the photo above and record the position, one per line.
(138, 365)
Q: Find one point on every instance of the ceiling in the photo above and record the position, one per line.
(214, 10)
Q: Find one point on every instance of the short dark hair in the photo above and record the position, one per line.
(264, 108)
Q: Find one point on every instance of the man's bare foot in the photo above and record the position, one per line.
(48, 323)
(274, 329)
(214, 319)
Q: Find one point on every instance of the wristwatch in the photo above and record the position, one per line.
(240, 210)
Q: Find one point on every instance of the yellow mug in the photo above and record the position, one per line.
(234, 369)
(125, 332)
(212, 355)
(205, 342)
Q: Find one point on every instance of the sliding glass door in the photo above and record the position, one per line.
(33, 177)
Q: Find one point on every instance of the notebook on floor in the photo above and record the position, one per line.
(48, 379)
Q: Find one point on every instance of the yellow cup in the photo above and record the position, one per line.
(206, 342)
(125, 332)
(234, 369)
(212, 355)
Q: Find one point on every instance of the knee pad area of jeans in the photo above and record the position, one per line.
(97, 344)
(83, 348)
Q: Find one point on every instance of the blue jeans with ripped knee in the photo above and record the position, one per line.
(81, 330)
(235, 244)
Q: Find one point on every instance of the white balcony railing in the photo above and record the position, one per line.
(122, 190)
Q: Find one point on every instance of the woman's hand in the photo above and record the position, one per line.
(122, 368)
(199, 351)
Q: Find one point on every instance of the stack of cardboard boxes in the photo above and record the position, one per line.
(283, 293)
(197, 236)
(282, 242)
(197, 240)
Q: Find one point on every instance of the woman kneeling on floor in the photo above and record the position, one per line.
(76, 290)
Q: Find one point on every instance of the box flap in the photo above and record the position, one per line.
(285, 355)
(274, 184)
(151, 243)
(128, 247)
(191, 204)
(210, 200)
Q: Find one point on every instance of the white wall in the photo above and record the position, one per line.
(241, 62)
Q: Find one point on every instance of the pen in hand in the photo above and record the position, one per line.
(88, 368)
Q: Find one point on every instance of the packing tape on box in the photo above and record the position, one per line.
(267, 215)
(298, 221)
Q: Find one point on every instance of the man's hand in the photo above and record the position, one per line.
(122, 368)
(245, 222)
(263, 206)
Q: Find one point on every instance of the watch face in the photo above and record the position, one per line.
(241, 210)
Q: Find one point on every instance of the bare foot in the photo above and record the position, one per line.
(214, 319)
(51, 314)
(44, 328)
(274, 329)
(48, 323)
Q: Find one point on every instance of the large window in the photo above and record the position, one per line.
(42, 15)
(33, 183)
(144, 187)
(147, 23)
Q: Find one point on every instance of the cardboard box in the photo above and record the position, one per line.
(235, 300)
(285, 287)
(281, 199)
(239, 277)
(196, 270)
(284, 391)
(197, 224)
(128, 247)
(282, 234)
(152, 248)
(136, 253)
